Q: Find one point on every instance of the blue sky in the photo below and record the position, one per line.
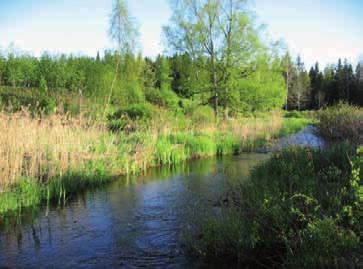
(320, 30)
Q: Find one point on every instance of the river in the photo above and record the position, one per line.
(130, 223)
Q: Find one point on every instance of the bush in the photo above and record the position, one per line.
(16, 100)
(202, 115)
(340, 123)
(299, 114)
(47, 105)
(299, 210)
(294, 114)
(164, 98)
(126, 119)
(43, 88)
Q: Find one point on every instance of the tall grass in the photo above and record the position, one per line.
(341, 122)
(300, 209)
(56, 155)
(46, 147)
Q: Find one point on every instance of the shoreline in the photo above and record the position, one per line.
(27, 192)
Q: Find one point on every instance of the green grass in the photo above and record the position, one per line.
(294, 125)
(29, 193)
(297, 210)
(136, 152)
(141, 145)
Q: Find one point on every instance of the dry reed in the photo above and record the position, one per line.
(43, 147)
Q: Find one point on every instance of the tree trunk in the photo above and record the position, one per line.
(214, 81)
(215, 88)
(112, 85)
(298, 101)
(226, 112)
(287, 89)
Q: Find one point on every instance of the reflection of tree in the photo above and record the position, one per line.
(237, 169)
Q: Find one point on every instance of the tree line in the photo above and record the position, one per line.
(318, 88)
(217, 56)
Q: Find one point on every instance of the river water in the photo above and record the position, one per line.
(130, 223)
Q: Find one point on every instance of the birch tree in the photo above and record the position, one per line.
(221, 31)
(123, 32)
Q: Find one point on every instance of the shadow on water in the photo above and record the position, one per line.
(132, 222)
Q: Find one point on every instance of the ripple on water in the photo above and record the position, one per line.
(133, 225)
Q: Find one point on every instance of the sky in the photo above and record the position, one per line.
(319, 30)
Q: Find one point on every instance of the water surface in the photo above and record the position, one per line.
(131, 223)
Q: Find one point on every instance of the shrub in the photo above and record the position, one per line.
(47, 105)
(16, 100)
(299, 210)
(127, 118)
(202, 115)
(164, 98)
(340, 123)
(323, 245)
(293, 114)
(127, 93)
(299, 114)
(43, 88)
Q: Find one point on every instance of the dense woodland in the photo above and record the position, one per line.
(217, 56)
(161, 80)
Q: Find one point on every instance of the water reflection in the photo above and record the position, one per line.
(132, 222)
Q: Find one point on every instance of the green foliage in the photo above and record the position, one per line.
(164, 98)
(197, 145)
(340, 122)
(263, 89)
(187, 79)
(294, 125)
(47, 105)
(136, 112)
(296, 210)
(201, 114)
(219, 33)
(168, 153)
(323, 243)
(28, 193)
(228, 143)
(128, 118)
(43, 88)
(299, 114)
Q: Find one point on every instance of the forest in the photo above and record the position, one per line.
(217, 56)
(169, 81)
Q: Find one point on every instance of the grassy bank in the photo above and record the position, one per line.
(298, 210)
(50, 157)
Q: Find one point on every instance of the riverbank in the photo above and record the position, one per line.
(50, 158)
(300, 209)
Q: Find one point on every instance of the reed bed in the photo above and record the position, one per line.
(42, 148)
(50, 157)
